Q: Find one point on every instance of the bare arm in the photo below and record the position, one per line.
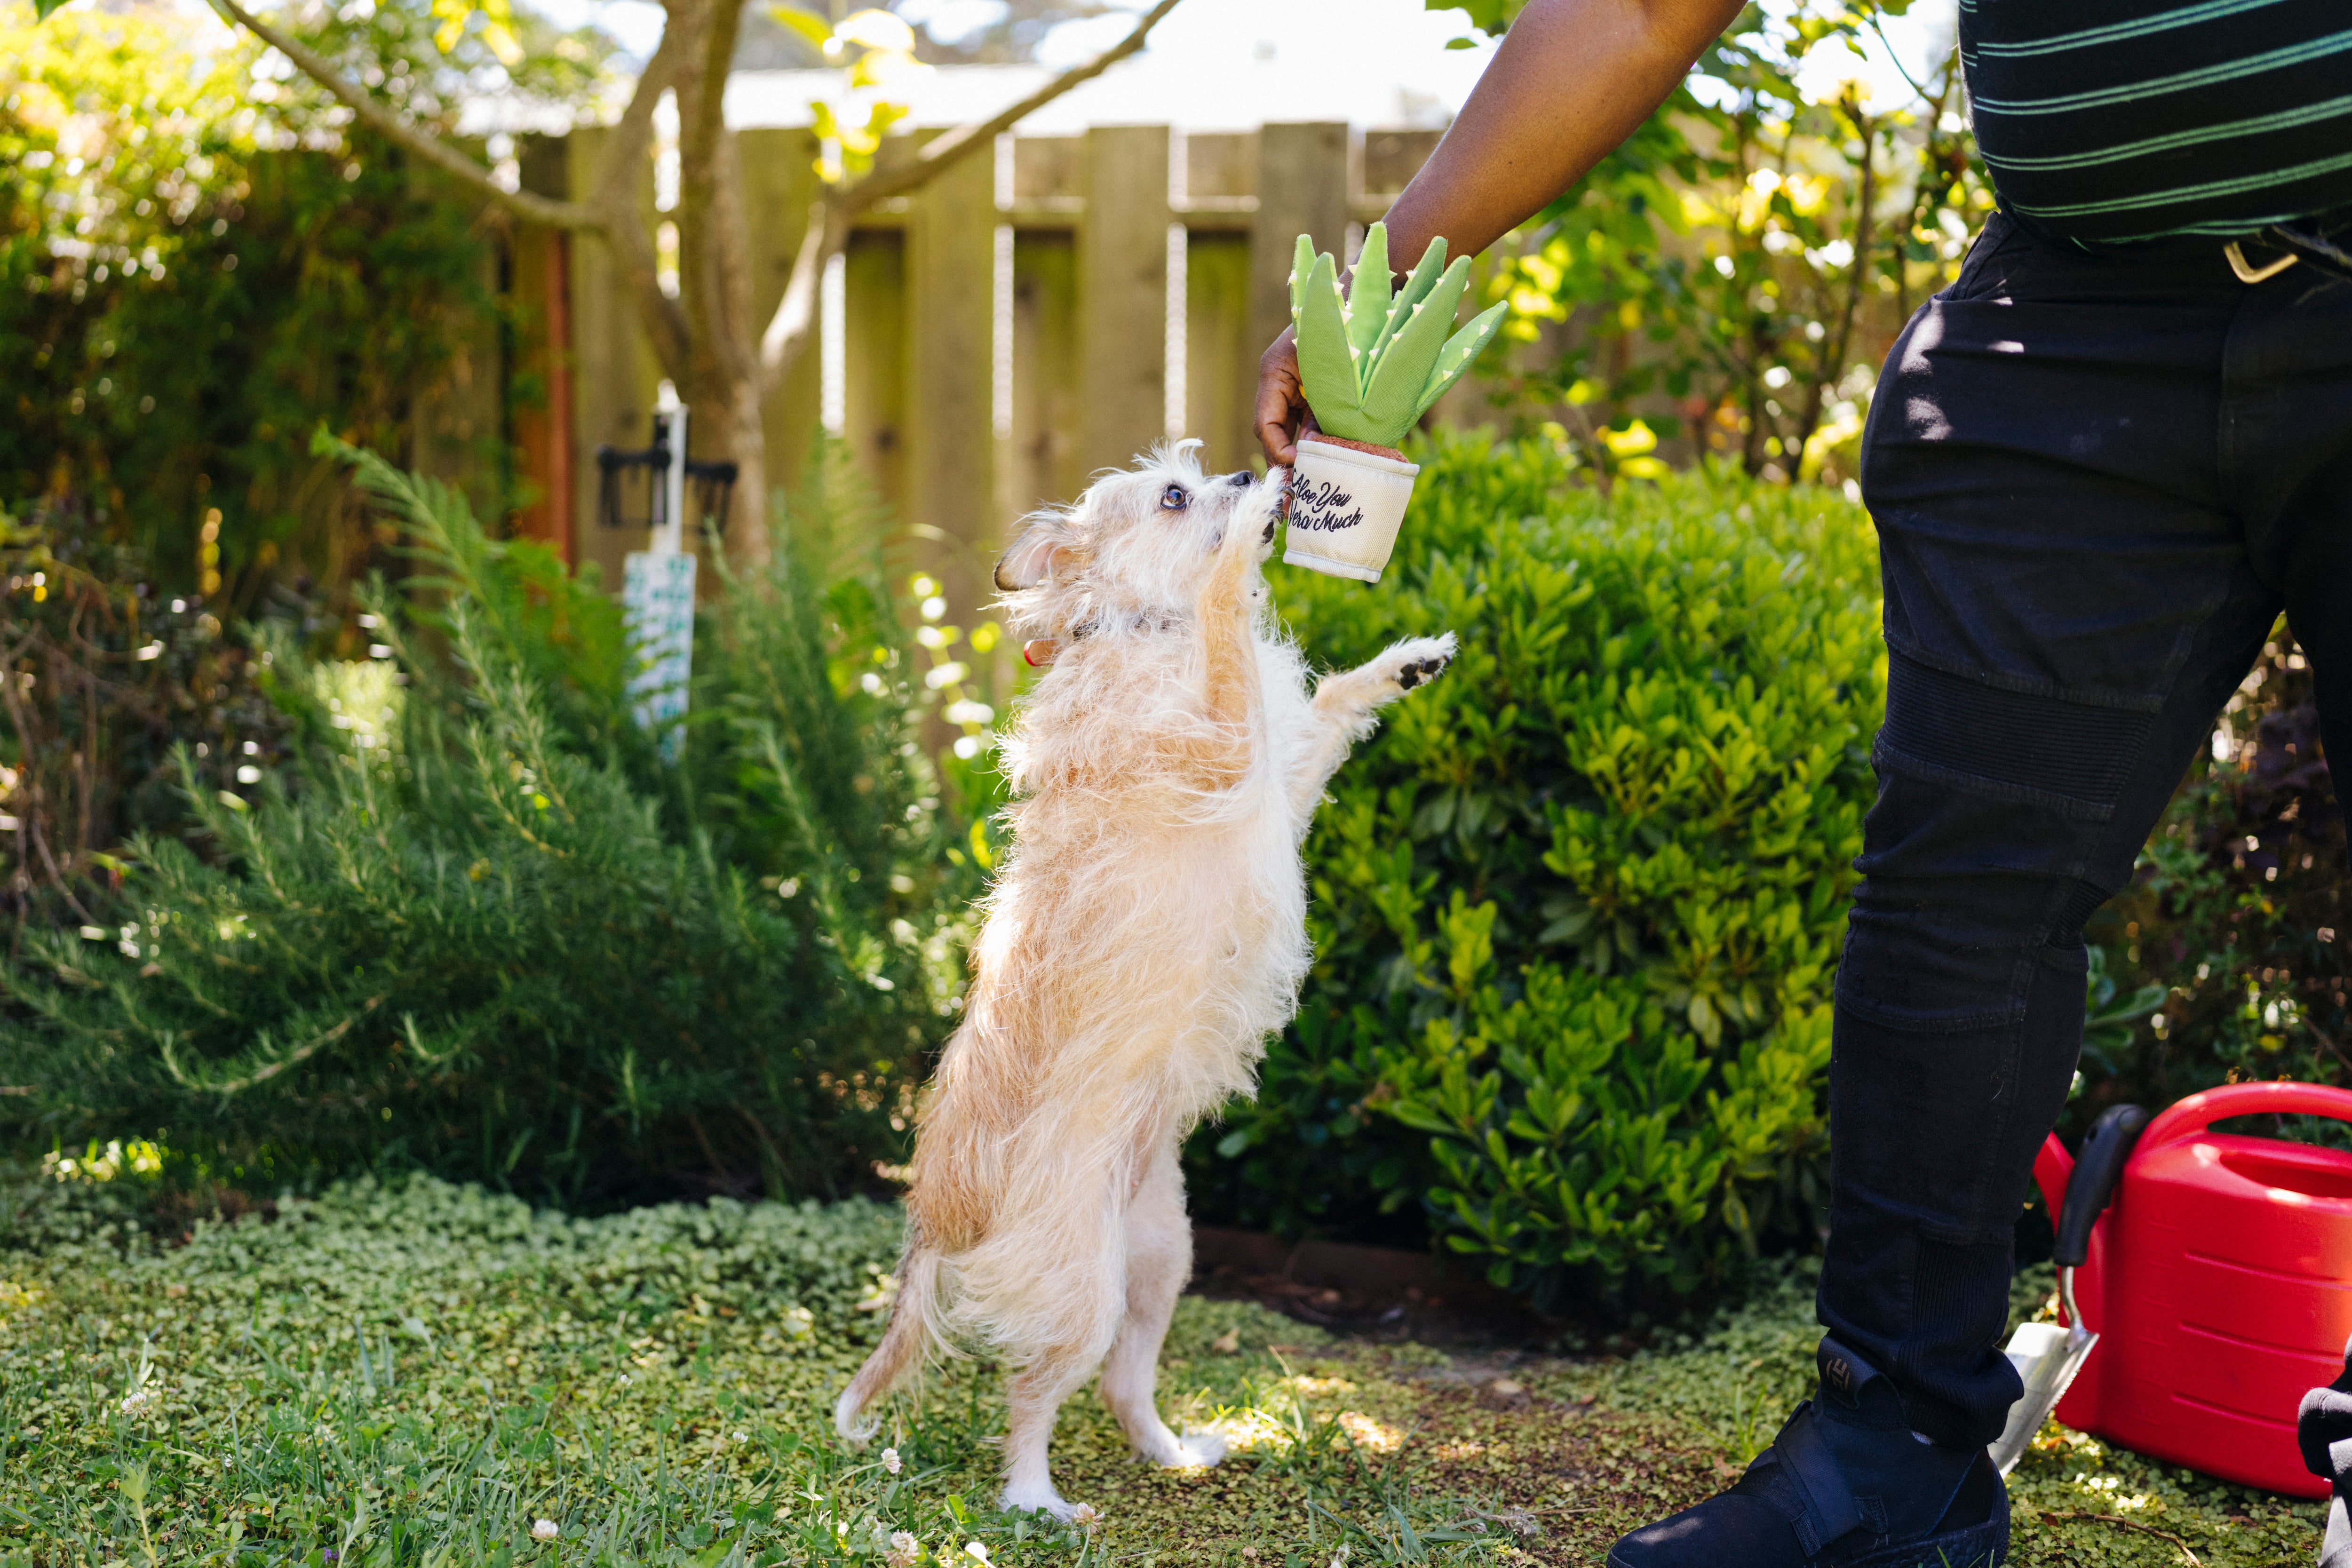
(1573, 78)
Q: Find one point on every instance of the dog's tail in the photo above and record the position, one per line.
(912, 1326)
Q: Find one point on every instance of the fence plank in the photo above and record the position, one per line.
(539, 280)
(951, 444)
(778, 184)
(1123, 293)
(1046, 464)
(1302, 188)
(613, 388)
(874, 403)
(1391, 158)
(1220, 359)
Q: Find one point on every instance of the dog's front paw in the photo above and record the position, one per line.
(1028, 1500)
(1171, 1452)
(1419, 660)
(1201, 1448)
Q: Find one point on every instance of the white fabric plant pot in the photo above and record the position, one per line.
(1345, 505)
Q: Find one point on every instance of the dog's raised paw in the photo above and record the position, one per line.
(1421, 669)
(1416, 661)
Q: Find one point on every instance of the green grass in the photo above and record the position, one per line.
(418, 1374)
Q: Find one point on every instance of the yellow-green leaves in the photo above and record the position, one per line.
(878, 51)
(491, 18)
(1373, 364)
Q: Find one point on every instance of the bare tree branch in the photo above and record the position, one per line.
(623, 225)
(796, 317)
(423, 143)
(830, 218)
(940, 151)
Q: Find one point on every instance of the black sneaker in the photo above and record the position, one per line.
(1845, 1485)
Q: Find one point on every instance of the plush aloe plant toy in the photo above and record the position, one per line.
(1374, 363)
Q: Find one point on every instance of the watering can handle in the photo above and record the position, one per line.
(2092, 1184)
(2193, 1115)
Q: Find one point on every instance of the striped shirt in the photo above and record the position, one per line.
(2105, 120)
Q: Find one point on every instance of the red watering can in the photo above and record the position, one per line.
(2219, 1284)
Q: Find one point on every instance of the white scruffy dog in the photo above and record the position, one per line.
(1146, 934)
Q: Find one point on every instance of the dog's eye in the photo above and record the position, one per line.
(1173, 499)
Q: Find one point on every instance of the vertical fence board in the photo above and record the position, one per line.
(539, 394)
(613, 387)
(1221, 362)
(1047, 400)
(951, 250)
(1302, 188)
(874, 410)
(1123, 293)
(540, 415)
(778, 184)
(1391, 158)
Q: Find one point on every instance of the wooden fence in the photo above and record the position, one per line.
(989, 341)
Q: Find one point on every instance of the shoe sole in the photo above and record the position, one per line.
(1982, 1545)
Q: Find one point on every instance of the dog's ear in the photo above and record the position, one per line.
(1042, 547)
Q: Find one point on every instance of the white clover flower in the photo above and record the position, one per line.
(545, 1530)
(974, 1550)
(138, 1399)
(742, 1437)
(905, 1549)
(1085, 1516)
(890, 1460)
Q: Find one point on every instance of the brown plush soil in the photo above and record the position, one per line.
(1330, 440)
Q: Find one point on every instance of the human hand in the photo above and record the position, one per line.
(1281, 401)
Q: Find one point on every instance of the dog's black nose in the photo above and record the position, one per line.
(1241, 476)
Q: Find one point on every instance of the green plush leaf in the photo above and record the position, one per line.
(1302, 262)
(1462, 350)
(1326, 365)
(1367, 296)
(1390, 404)
(1416, 289)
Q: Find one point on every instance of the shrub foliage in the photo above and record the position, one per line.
(2236, 922)
(1576, 912)
(486, 931)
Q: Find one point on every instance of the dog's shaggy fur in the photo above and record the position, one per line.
(1147, 932)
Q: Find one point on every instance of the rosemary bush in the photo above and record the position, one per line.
(484, 930)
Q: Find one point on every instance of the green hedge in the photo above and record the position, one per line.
(1576, 913)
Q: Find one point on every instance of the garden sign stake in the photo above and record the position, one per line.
(1372, 364)
(657, 592)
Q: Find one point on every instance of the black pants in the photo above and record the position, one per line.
(2096, 481)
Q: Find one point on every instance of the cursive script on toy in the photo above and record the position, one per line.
(1315, 507)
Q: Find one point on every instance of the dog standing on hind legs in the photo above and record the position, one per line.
(1145, 933)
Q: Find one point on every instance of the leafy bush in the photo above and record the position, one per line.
(2239, 915)
(101, 677)
(1576, 911)
(489, 933)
